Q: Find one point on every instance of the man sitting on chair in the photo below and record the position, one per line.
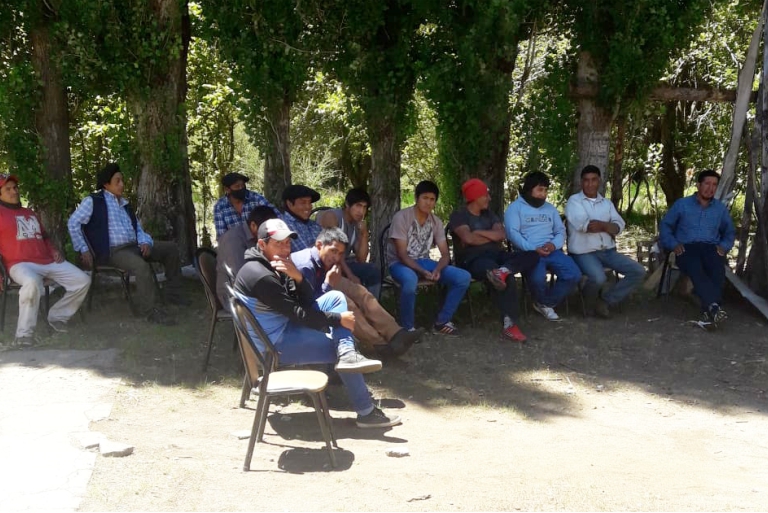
(478, 237)
(532, 224)
(297, 207)
(699, 230)
(233, 244)
(413, 232)
(29, 258)
(351, 219)
(593, 224)
(375, 328)
(117, 238)
(303, 329)
(238, 202)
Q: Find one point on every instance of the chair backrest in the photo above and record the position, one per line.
(230, 274)
(451, 246)
(205, 264)
(316, 210)
(245, 323)
(383, 250)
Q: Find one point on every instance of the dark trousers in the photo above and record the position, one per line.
(518, 262)
(706, 269)
(129, 258)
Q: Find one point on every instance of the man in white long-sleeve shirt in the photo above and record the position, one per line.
(593, 224)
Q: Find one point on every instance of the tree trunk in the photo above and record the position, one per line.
(617, 176)
(385, 180)
(52, 125)
(672, 178)
(493, 169)
(594, 127)
(277, 162)
(165, 205)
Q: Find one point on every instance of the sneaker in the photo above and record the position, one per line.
(717, 314)
(58, 326)
(514, 334)
(497, 278)
(446, 329)
(27, 341)
(157, 316)
(403, 340)
(602, 309)
(547, 311)
(353, 361)
(377, 419)
(706, 323)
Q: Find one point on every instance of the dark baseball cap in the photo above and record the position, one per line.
(231, 178)
(294, 192)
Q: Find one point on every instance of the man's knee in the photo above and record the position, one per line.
(333, 300)
(598, 278)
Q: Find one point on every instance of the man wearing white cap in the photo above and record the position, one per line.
(29, 256)
(304, 330)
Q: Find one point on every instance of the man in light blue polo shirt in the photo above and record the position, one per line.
(699, 229)
(532, 224)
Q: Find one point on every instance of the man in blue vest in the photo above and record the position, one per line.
(107, 222)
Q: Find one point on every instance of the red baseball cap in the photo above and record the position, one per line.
(5, 177)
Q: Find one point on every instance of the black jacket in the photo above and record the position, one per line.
(277, 293)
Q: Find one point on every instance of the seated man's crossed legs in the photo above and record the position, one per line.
(369, 275)
(375, 329)
(300, 345)
(598, 293)
(499, 270)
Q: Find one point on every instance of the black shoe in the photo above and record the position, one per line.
(403, 340)
(706, 323)
(377, 419)
(157, 316)
(717, 314)
(602, 309)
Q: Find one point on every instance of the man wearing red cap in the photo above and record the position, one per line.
(29, 256)
(479, 235)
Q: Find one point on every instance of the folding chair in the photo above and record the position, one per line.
(8, 283)
(668, 269)
(125, 278)
(452, 261)
(205, 265)
(273, 382)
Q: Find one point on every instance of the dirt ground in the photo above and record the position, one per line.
(642, 412)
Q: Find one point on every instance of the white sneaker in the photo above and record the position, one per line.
(547, 311)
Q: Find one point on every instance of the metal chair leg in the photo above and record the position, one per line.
(252, 439)
(321, 419)
(246, 392)
(264, 413)
(210, 343)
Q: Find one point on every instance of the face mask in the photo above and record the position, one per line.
(534, 202)
(239, 194)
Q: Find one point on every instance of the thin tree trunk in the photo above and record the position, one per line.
(385, 181)
(672, 182)
(52, 124)
(753, 149)
(594, 127)
(617, 176)
(165, 205)
(277, 162)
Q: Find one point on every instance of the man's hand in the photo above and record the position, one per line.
(87, 259)
(146, 249)
(287, 267)
(679, 250)
(348, 320)
(595, 226)
(427, 275)
(58, 257)
(546, 249)
(435, 275)
(720, 251)
(333, 276)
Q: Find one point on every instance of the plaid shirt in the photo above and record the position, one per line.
(225, 216)
(307, 231)
(120, 225)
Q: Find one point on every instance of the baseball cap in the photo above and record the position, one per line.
(230, 179)
(4, 177)
(275, 229)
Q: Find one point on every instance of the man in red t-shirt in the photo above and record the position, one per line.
(30, 258)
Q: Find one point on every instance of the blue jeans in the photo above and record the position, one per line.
(454, 279)
(706, 269)
(300, 345)
(564, 268)
(593, 265)
(369, 274)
